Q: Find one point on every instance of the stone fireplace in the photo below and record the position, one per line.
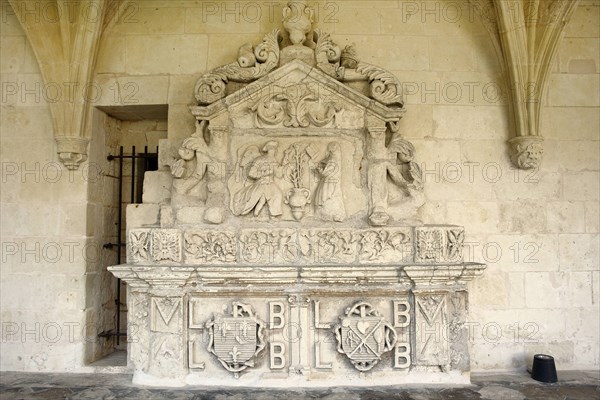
(286, 248)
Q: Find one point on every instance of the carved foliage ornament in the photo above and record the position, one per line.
(296, 106)
(211, 86)
(363, 335)
(211, 246)
(236, 339)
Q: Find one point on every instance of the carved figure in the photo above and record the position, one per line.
(328, 196)
(405, 173)
(261, 170)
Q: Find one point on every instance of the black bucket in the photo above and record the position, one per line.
(544, 369)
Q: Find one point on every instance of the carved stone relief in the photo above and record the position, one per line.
(259, 168)
(296, 193)
(236, 339)
(363, 335)
(295, 106)
(166, 245)
(431, 321)
(329, 200)
(210, 246)
(439, 244)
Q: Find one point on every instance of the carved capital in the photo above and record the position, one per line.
(527, 151)
(72, 151)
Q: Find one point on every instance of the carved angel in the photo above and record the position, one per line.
(260, 171)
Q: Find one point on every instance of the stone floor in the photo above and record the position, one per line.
(580, 385)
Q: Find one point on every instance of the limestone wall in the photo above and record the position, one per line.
(537, 231)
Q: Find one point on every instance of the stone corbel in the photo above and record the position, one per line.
(528, 33)
(72, 151)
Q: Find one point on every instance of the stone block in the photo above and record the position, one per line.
(566, 217)
(578, 252)
(546, 289)
(582, 186)
(572, 123)
(570, 90)
(585, 22)
(166, 54)
(522, 217)
(13, 53)
(142, 90)
(592, 216)
(454, 122)
(112, 54)
(142, 215)
(157, 187)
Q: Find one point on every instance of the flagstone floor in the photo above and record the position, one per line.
(572, 385)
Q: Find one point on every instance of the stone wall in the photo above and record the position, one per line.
(536, 231)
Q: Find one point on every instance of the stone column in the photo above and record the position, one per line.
(377, 173)
(298, 334)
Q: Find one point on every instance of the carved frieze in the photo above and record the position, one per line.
(236, 339)
(268, 246)
(363, 335)
(441, 245)
(210, 246)
(377, 245)
(328, 246)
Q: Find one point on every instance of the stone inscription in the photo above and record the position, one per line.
(301, 334)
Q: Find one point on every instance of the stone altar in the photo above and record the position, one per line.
(287, 249)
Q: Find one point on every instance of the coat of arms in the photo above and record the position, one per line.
(236, 339)
(364, 335)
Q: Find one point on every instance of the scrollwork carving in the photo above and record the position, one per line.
(211, 86)
(295, 106)
(384, 86)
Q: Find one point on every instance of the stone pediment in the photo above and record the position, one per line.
(292, 75)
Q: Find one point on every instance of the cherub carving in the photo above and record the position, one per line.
(259, 172)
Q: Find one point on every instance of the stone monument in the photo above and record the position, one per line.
(287, 250)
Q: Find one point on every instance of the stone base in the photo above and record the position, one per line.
(352, 326)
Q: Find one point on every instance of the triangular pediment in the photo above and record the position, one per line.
(291, 75)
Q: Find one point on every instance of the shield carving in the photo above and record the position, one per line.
(364, 335)
(236, 339)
